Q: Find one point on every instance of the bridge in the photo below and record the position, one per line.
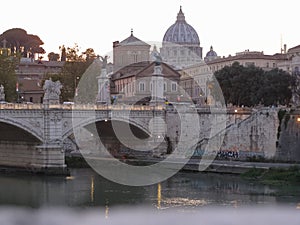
(32, 135)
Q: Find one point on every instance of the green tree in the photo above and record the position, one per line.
(8, 77)
(277, 87)
(75, 66)
(250, 86)
(89, 54)
(22, 43)
(72, 54)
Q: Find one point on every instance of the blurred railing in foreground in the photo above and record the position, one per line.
(122, 215)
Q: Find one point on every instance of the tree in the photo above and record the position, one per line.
(250, 86)
(72, 71)
(53, 56)
(89, 54)
(72, 54)
(22, 43)
(63, 57)
(8, 77)
(277, 87)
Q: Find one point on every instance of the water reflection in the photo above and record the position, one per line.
(92, 189)
(158, 195)
(87, 189)
(106, 210)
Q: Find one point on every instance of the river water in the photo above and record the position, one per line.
(186, 190)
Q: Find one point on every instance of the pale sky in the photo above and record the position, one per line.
(229, 25)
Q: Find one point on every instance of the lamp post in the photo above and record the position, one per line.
(75, 86)
(18, 93)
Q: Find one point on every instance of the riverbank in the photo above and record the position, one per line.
(268, 172)
(274, 176)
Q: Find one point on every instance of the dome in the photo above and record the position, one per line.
(211, 53)
(181, 32)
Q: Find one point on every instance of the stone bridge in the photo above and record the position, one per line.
(32, 135)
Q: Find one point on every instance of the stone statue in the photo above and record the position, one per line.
(104, 61)
(2, 94)
(158, 59)
(52, 92)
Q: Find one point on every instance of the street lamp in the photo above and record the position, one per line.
(75, 87)
(18, 93)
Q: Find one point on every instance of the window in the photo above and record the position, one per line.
(151, 86)
(267, 65)
(249, 64)
(142, 86)
(174, 86)
(165, 86)
(274, 65)
(135, 58)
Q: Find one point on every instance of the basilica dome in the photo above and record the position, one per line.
(211, 53)
(181, 32)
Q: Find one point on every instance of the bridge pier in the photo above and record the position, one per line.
(32, 158)
(50, 159)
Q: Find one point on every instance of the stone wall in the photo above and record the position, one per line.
(253, 136)
(289, 137)
(246, 135)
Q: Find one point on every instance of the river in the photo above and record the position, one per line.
(186, 190)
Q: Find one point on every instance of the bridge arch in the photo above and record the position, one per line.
(24, 127)
(88, 121)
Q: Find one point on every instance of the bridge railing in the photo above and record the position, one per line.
(20, 106)
(112, 107)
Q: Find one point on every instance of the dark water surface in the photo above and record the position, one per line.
(85, 188)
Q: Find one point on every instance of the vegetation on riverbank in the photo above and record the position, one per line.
(274, 176)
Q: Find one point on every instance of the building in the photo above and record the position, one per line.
(294, 56)
(131, 50)
(133, 84)
(292, 65)
(36, 69)
(30, 91)
(30, 74)
(181, 44)
(247, 58)
(211, 55)
(194, 80)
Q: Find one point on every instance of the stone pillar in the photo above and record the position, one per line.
(157, 124)
(103, 96)
(50, 156)
(157, 80)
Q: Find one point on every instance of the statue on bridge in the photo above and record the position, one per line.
(2, 94)
(104, 61)
(52, 92)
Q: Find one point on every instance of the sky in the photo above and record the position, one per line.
(230, 26)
